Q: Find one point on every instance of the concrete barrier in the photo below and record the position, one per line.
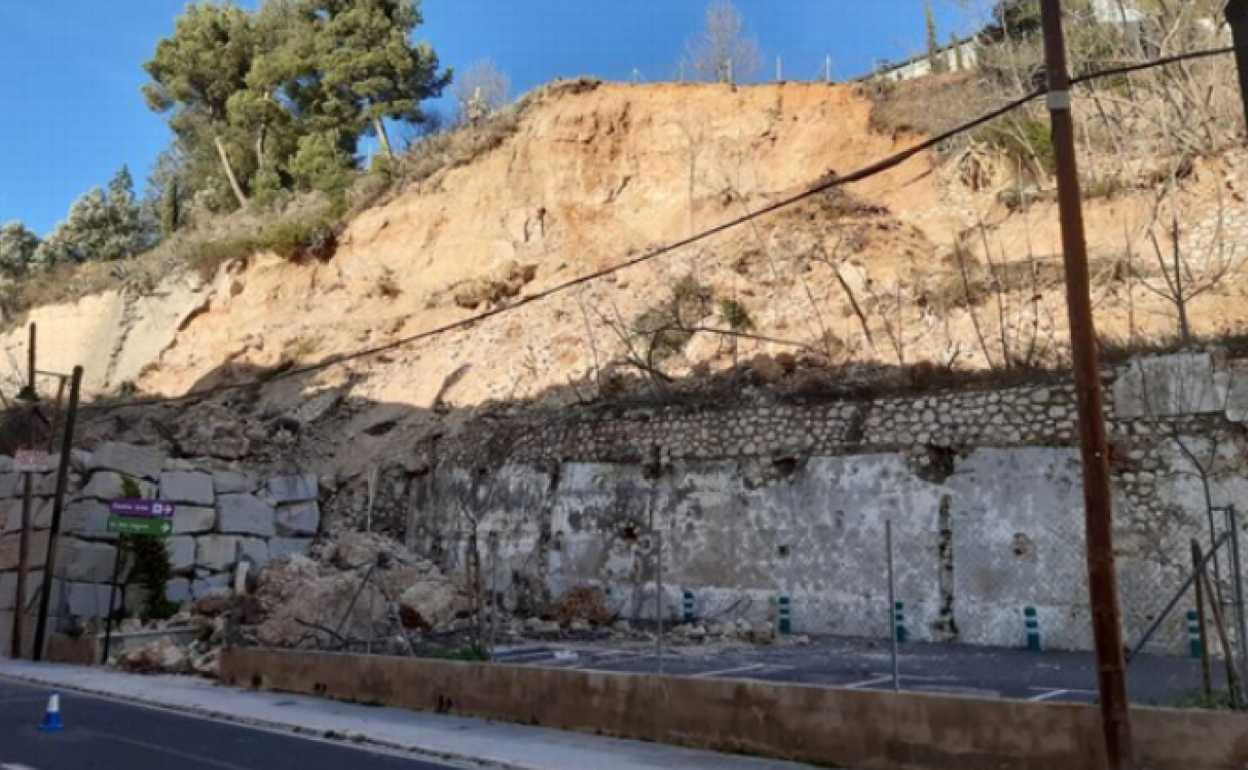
(833, 727)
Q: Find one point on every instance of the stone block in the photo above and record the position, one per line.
(233, 482)
(178, 590)
(253, 549)
(142, 462)
(216, 552)
(287, 546)
(8, 590)
(10, 515)
(42, 513)
(181, 553)
(243, 514)
(80, 561)
(108, 485)
(88, 600)
(293, 489)
(45, 483)
(210, 586)
(188, 488)
(298, 519)
(12, 484)
(192, 520)
(10, 546)
(89, 519)
(1170, 386)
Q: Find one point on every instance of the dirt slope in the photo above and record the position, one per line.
(597, 174)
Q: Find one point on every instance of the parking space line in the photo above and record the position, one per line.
(723, 671)
(868, 682)
(1049, 695)
(520, 656)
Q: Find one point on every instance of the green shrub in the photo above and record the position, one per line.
(1021, 138)
(735, 315)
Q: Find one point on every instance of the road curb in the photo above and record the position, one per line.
(355, 739)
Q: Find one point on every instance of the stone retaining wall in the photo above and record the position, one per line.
(223, 516)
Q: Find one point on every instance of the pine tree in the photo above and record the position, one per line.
(366, 57)
(196, 72)
(17, 249)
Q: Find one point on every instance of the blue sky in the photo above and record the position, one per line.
(71, 110)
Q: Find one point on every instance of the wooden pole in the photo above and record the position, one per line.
(58, 507)
(1098, 508)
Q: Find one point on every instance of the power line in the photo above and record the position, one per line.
(824, 185)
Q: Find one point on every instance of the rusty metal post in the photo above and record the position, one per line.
(1098, 508)
(58, 507)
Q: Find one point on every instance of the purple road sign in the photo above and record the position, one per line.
(141, 509)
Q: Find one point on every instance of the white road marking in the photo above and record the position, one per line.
(1049, 695)
(11, 766)
(868, 683)
(723, 671)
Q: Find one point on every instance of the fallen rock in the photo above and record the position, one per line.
(353, 550)
(159, 657)
(587, 603)
(432, 604)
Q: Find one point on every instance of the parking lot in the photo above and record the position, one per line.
(864, 664)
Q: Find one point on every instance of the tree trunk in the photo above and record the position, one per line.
(229, 172)
(380, 126)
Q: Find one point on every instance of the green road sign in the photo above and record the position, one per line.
(123, 525)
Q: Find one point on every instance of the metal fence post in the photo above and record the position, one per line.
(892, 604)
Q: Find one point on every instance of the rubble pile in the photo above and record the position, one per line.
(360, 591)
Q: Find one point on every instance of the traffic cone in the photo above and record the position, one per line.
(52, 716)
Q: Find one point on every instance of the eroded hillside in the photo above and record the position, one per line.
(910, 267)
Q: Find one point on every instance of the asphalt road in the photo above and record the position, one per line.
(101, 734)
(858, 664)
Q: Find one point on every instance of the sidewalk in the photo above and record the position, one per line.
(429, 736)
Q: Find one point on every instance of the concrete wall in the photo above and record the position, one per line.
(837, 728)
(982, 487)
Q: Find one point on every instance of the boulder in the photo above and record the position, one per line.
(353, 550)
(159, 657)
(431, 605)
(301, 601)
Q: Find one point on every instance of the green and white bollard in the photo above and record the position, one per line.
(899, 621)
(687, 606)
(1193, 633)
(785, 618)
(1031, 620)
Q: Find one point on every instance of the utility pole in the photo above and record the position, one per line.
(28, 494)
(1237, 19)
(58, 508)
(1098, 509)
